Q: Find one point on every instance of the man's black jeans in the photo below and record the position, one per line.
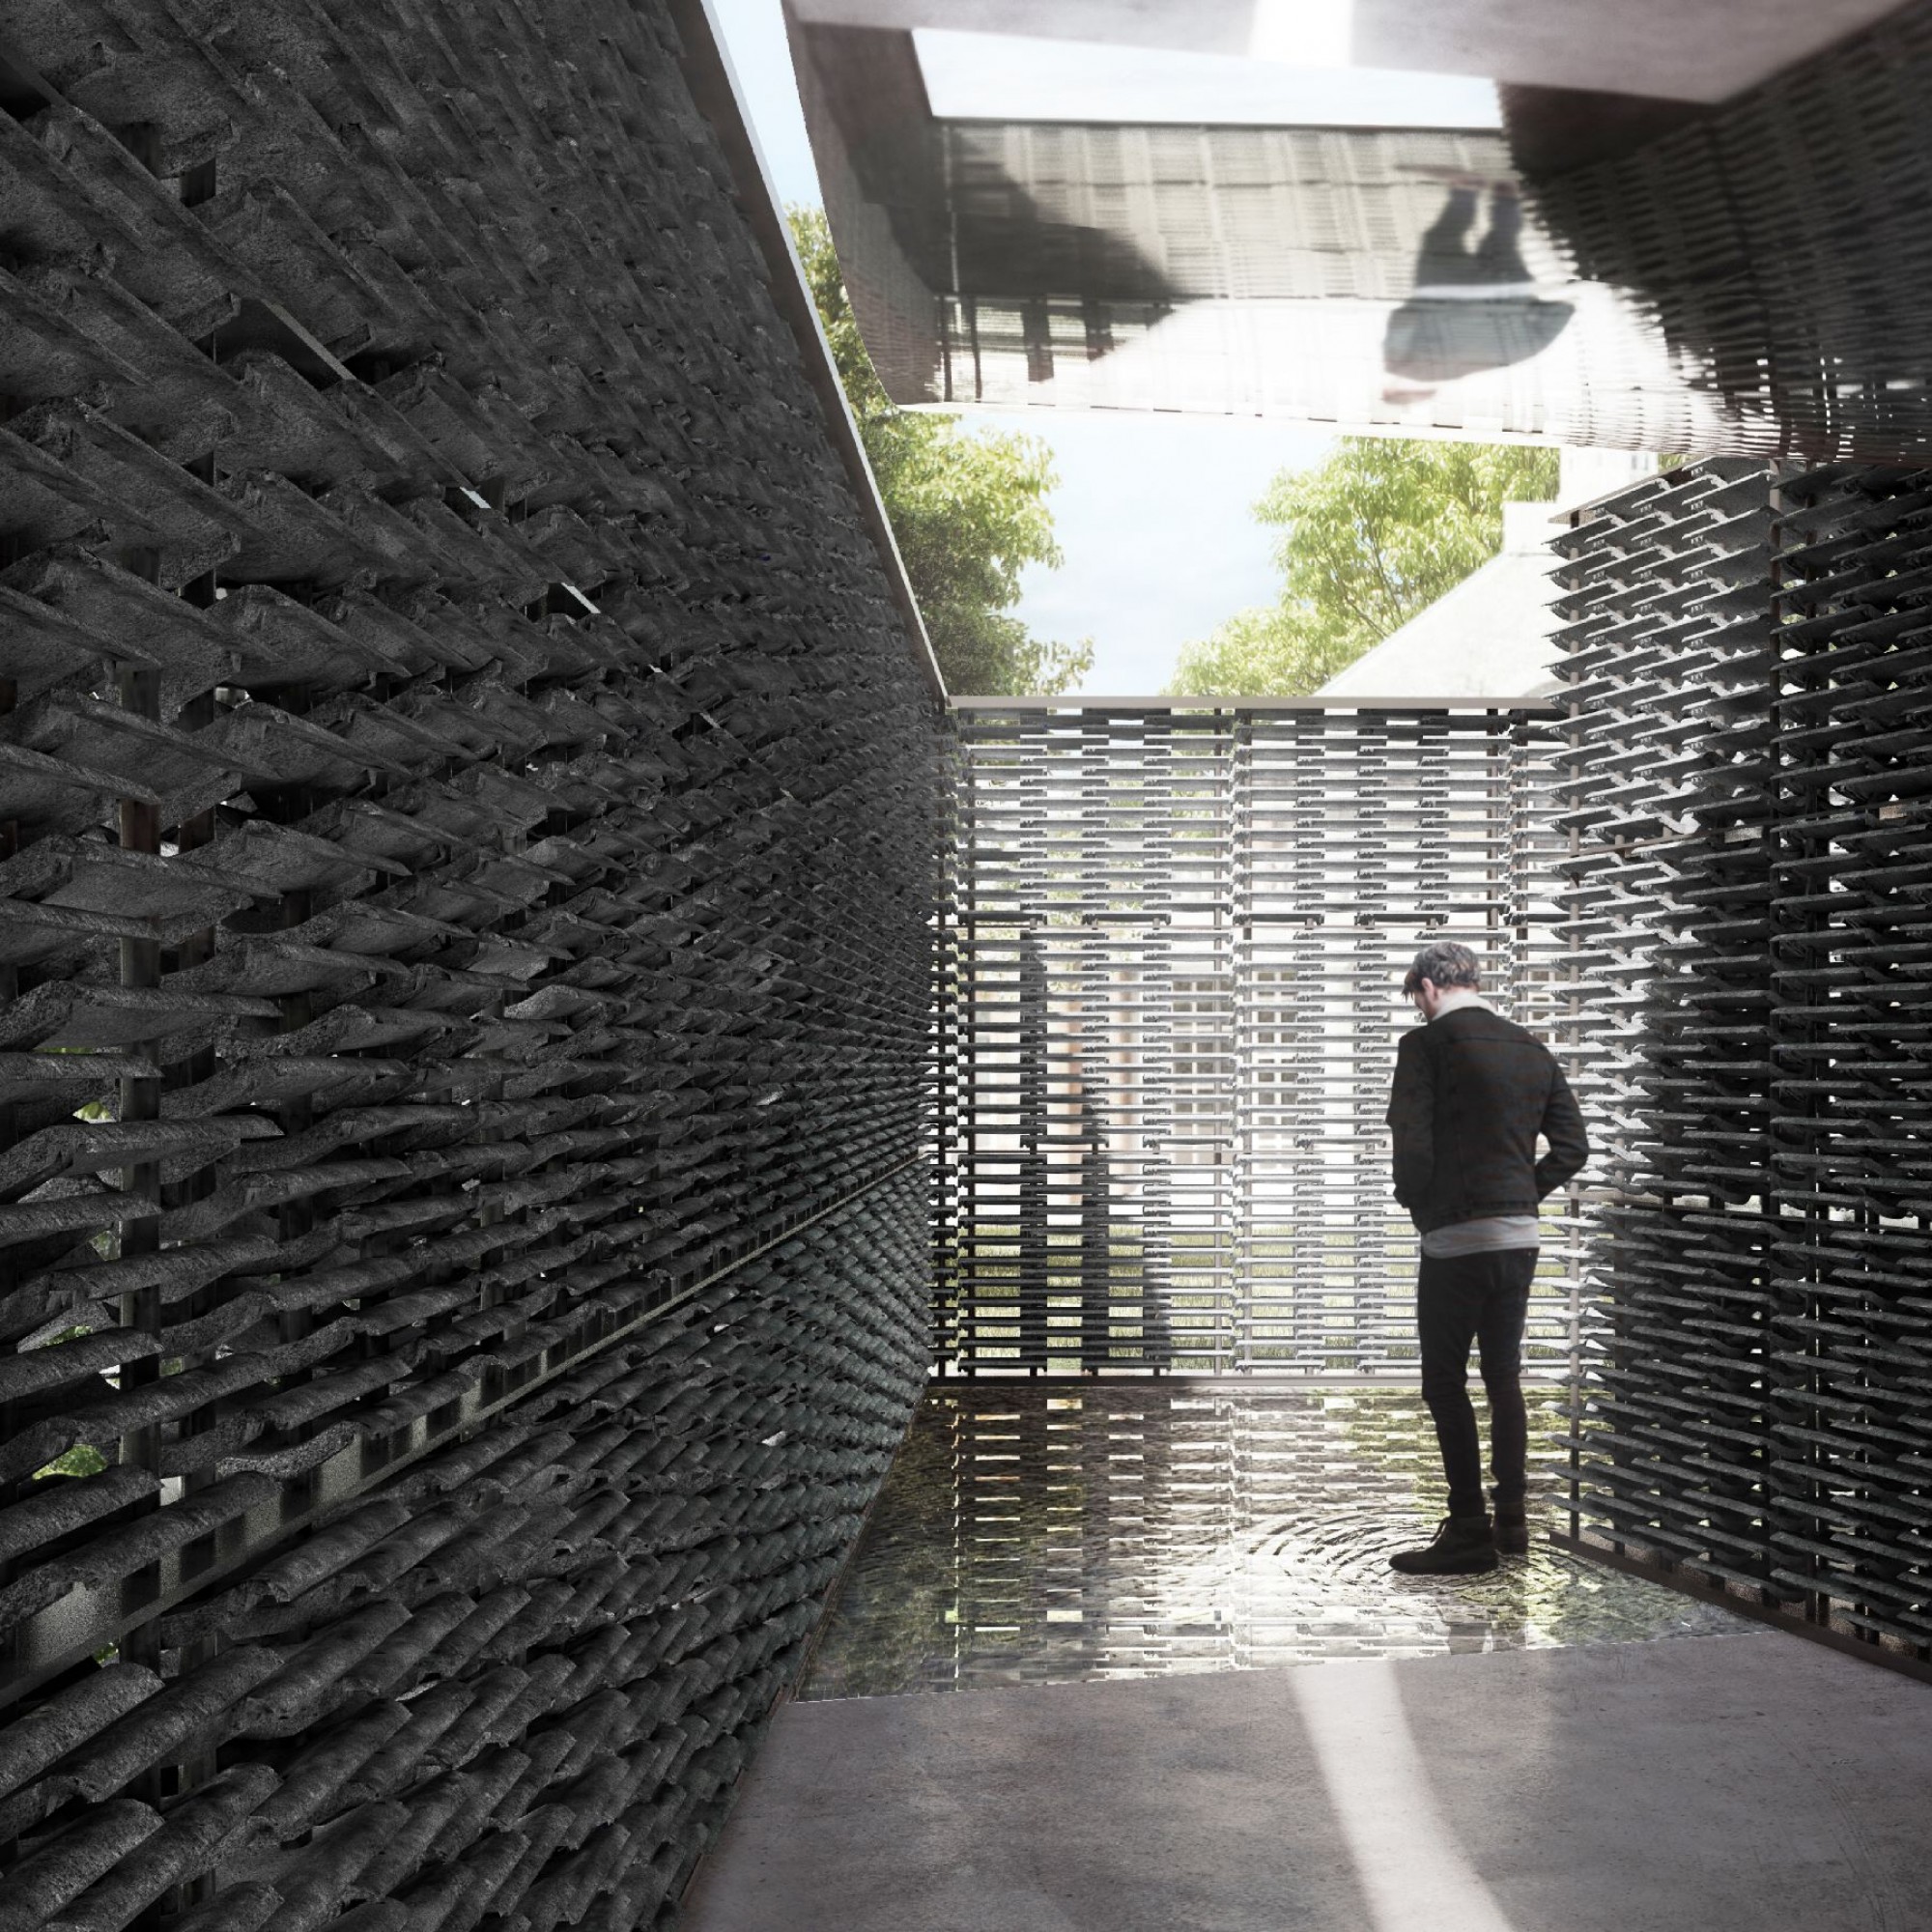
(1484, 1299)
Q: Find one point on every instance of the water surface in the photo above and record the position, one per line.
(1042, 1532)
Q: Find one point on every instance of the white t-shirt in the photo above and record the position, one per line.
(1490, 1235)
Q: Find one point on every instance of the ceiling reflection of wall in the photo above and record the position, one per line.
(1607, 271)
(1385, 276)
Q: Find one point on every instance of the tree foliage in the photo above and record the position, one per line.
(1370, 536)
(968, 508)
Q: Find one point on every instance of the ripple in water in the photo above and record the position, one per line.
(1053, 1532)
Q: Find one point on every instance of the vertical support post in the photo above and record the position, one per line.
(1792, 845)
(195, 949)
(1572, 999)
(945, 1229)
(139, 690)
(9, 987)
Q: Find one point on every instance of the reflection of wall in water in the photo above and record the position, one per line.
(1085, 1532)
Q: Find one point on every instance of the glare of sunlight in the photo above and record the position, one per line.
(1414, 1874)
(1305, 33)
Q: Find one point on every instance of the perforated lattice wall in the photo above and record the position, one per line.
(1178, 940)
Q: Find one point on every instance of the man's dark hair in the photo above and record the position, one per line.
(1446, 964)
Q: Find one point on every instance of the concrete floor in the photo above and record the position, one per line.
(1750, 1783)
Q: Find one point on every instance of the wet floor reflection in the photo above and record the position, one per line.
(1054, 1532)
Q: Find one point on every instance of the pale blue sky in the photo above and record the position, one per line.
(1152, 511)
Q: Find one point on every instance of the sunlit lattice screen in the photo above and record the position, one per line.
(1176, 944)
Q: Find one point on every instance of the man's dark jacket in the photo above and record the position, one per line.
(1472, 1091)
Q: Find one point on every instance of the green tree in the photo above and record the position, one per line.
(969, 508)
(1374, 533)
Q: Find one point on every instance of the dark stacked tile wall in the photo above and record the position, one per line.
(468, 809)
(1746, 797)
(1851, 1127)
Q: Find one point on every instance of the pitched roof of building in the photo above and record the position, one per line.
(1490, 637)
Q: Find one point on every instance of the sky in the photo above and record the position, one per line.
(1152, 512)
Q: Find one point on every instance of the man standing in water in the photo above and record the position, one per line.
(1472, 1093)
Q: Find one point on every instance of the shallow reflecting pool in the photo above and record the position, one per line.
(1058, 1531)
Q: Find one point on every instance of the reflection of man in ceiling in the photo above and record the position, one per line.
(1475, 306)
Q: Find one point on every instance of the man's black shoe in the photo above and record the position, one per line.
(1511, 1532)
(1463, 1548)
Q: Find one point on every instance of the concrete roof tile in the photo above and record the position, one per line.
(62, 1866)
